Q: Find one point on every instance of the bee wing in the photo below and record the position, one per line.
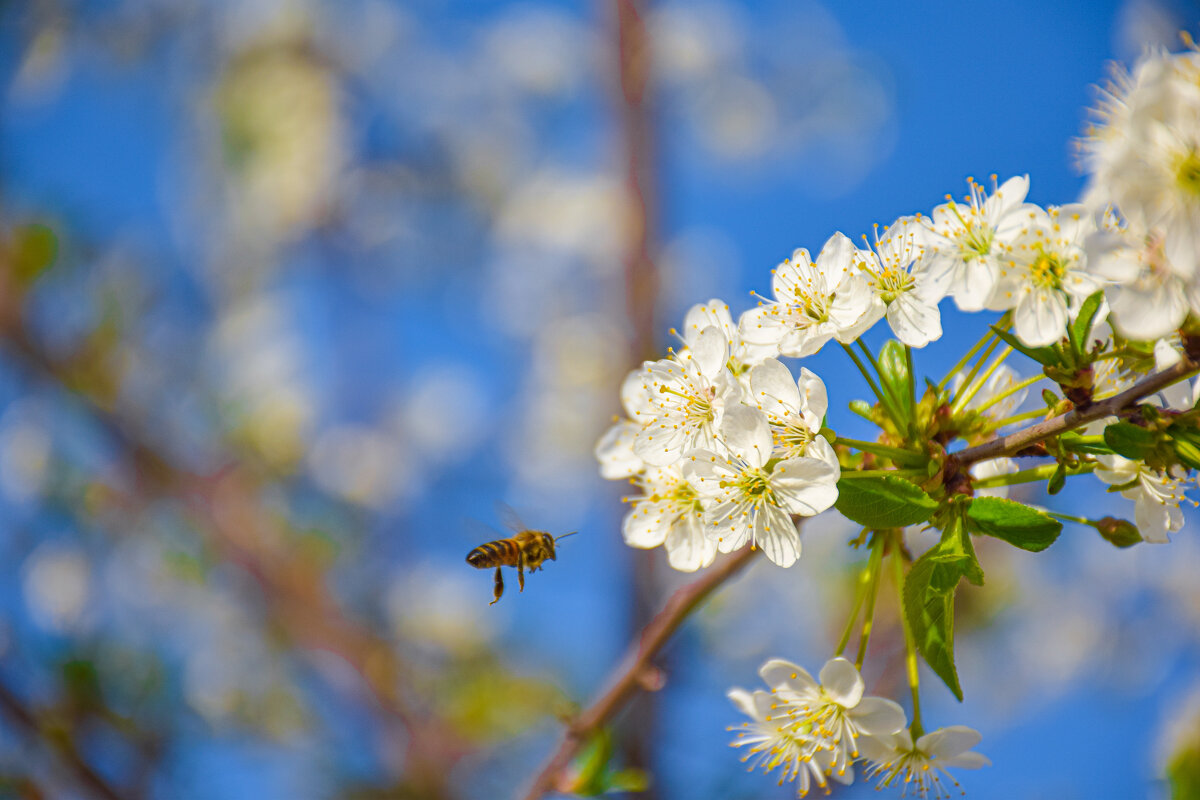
(509, 517)
(480, 531)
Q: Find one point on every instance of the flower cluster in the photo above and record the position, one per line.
(814, 731)
(728, 446)
(1143, 156)
(725, 446)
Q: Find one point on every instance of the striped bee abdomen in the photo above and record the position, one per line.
(500, 553)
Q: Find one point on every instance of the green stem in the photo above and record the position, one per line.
(987, 353)
(1069, 518)
(876, 448)
(910, 648)
(870, 382)
(872, 592)
(1010, 391)
(860, 594)
(897, 403)
(912, 378)
(1029, 476)
(1000, 423)
(872, 473)
(970, 390)
(962, 362)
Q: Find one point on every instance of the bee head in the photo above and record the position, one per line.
(548, 543)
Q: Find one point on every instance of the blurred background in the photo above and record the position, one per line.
(293, 293)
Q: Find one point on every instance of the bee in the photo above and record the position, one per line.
(529, 549)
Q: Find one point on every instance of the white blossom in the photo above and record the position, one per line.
(1156, 495)
(688, 394)
(615, 450)
(772, 740)
(795, 410)
(1045, 278)
(1147, 297)
(920, 767)
(831, 712)
(669, 514)
(715, 313)
(965, 243)
(902, 288)
(748, 503)
(814, 301)
(1144, 155)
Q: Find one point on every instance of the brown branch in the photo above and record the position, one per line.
(60, 742)
(631, 675)
(1007, 445)
(632, 48)
(230, 517)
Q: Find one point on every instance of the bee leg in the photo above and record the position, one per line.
(521, 571)
(498, 589)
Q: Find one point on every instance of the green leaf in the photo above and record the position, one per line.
(1016, 523)
(929, 600)
(893, 373)
(1130, 440)
(1082, 325)
(881, 502)
(1043, 355)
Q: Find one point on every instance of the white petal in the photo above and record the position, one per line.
(688, 547)
(647, 524)
(841, 682)
(878, 716)
(615, 452)
(834, 259)
(949, 741)
(966, 761)
(1040, 318)
(634, 396)
(747, 435)
(714, 313)
(805, 486)
(780, 674)
(914, 322)
(776, 534)
(775, 391)
(743, 700)
(710, 349)
(812, 390)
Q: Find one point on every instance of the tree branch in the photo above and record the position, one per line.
(1007, 445)
(631, 674)
(60, 742)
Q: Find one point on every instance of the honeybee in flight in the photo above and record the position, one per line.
(527, 550)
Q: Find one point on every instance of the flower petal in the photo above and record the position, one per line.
(710, 349)
(776, 534)
(841, 682)
(747, 435)
(775, 390)
(780, 674)
(878, 716)
(687, 544)
(949, 741)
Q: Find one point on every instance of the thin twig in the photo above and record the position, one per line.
(630, 675)
(1007, 445)
(61, 743)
